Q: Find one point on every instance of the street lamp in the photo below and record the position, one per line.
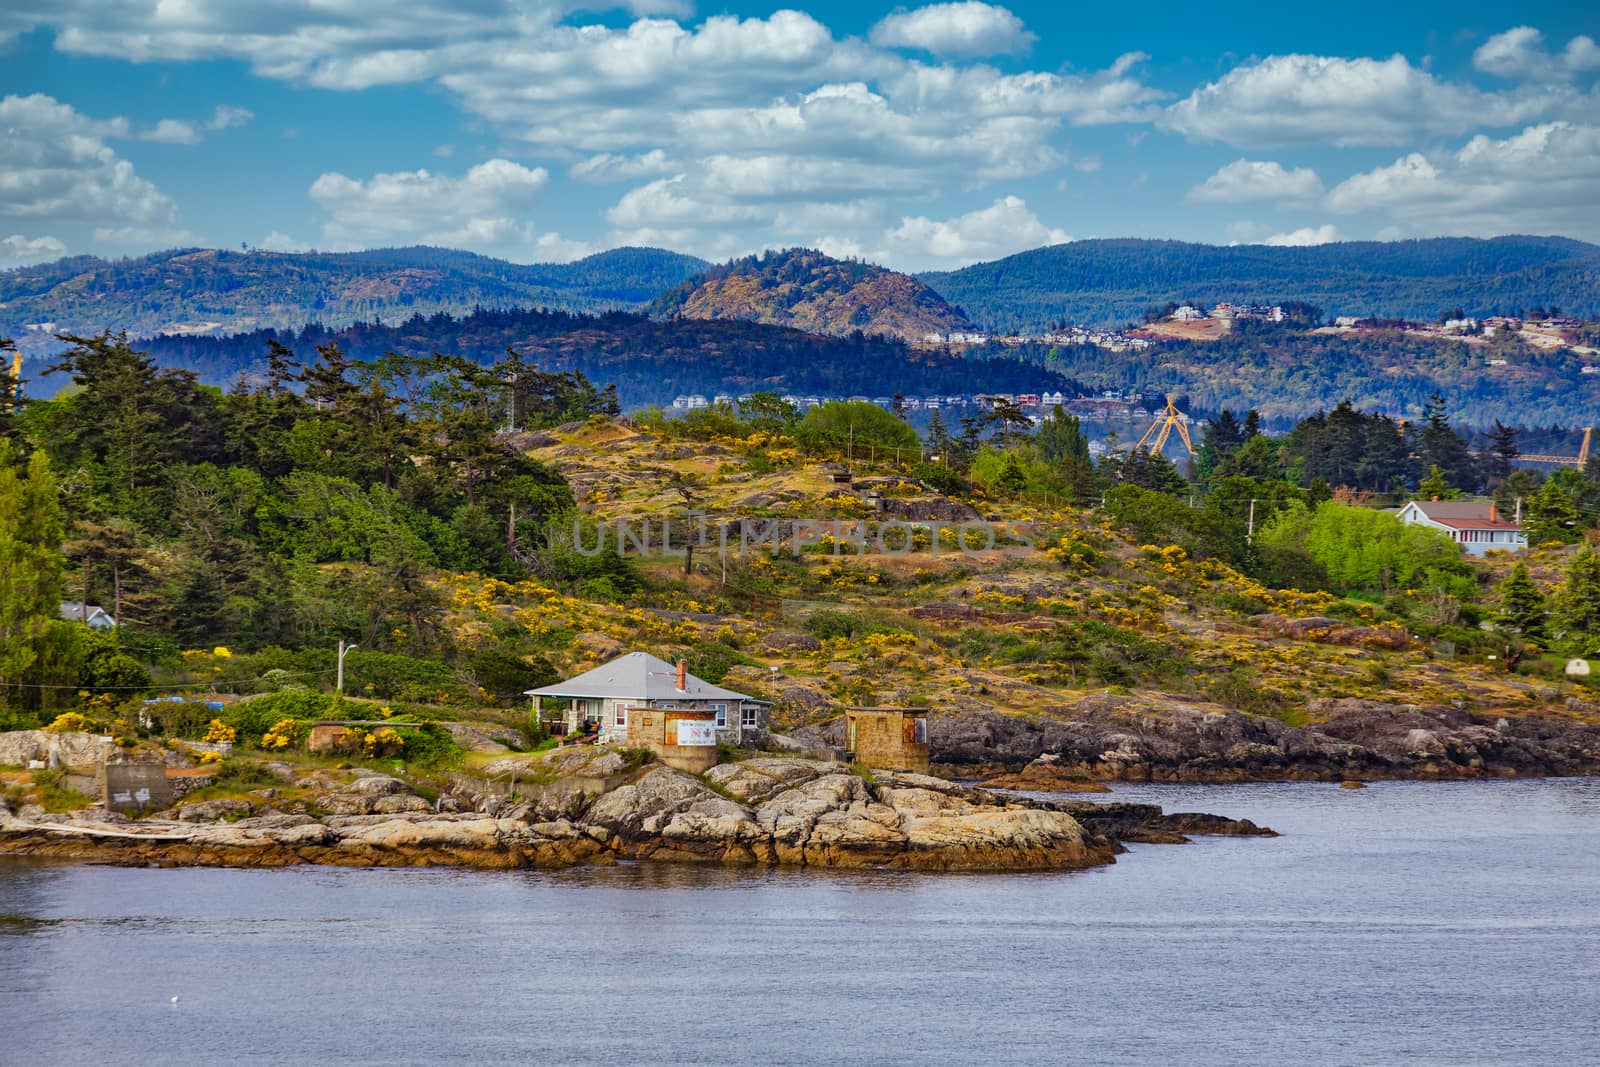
(338, 685)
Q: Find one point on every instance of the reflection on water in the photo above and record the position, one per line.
(1451, 923)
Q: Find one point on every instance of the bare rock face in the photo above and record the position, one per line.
(17, 747)
(753, 781)
(213, 810)
(792, 643)
(1142, 738)
(600, 645)
(804, 813)
(766, 811)
(667, 805)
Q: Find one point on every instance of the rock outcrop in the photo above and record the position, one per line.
(1108, 737)
(759, 812)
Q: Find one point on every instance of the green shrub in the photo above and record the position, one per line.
(712, 660)
(507, 675)
(388, 676)
(825, 625)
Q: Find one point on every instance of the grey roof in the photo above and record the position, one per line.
(635, 676)
(77, 611)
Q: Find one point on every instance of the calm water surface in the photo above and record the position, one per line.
(1406, 923)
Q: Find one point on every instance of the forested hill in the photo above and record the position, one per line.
(808, 290)
(650, 361)
(1115, 281)
(216, 291)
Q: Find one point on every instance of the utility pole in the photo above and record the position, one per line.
(338, 684)
(1250, 526)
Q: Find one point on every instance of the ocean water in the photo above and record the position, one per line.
(1406, 923)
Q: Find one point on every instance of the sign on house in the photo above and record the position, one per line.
(696, 732)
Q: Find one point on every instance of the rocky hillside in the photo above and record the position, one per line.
(810, 291)
(214, 291)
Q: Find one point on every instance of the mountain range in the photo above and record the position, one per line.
(215, 291)
(1116, 281)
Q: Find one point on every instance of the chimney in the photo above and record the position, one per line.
(683, 676)
(1434, 498)
(1494, 513)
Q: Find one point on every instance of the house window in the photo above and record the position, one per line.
(748, 717)
(722, 715)
(622, 715)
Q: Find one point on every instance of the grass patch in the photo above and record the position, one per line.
(54, 796)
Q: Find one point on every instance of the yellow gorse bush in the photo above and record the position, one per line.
(281, 736)
(220, 733)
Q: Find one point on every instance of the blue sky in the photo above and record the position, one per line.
(918, 136)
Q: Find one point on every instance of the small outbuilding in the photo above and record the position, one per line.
(888, 739)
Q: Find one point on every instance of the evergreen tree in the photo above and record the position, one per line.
(1502, 452)
(1578, 602)
(1522, 606)
(1252, 424)
(30, 562)
(1550, 515)
(1436, 486)
(1438, 445)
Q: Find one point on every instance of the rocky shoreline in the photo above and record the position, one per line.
(760, 812)
(1157, 738)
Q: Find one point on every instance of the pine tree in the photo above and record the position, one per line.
(1578, 605)
(1522, 606)
(1436, 486)
(1502, 452)
(1551, 515)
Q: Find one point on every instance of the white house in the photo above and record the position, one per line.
(91, 615)
(1474, 525)
(605, 696)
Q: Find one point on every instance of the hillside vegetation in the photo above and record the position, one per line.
(810, 291)
(218, 291)
(650, 361)
(1115, 281)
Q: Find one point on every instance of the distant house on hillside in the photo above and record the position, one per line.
(604, 697)
(1188, 314)
(91, 615)
(1475, 526)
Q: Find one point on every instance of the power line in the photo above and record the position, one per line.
(214, 684)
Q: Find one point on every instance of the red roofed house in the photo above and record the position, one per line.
(1475, 525)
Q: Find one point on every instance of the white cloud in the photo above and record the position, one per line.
(18, 250)
(1520, 53)
(278, 241)
(1245, 180)
(172, 131)
(1306, 235)
(144, 237)
(55, 164)
(607, 167)
(185, 131)
(227, 116)
(1545, 179)
(1300, 99)
(720, 101)
(956, 29)
(553, 248)
(484, 209)
(1006, 226)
